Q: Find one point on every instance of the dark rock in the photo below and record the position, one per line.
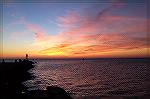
(12, 74)
(55, 92)
(52, 92)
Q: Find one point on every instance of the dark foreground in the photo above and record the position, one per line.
(12, 74)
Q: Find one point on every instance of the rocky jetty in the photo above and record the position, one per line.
(12, 74)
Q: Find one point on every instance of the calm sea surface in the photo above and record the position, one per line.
(93, 77)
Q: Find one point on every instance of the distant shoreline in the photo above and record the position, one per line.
(32, 59)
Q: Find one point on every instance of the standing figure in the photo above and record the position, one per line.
(26, 56)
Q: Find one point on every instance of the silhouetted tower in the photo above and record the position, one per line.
(26, 56)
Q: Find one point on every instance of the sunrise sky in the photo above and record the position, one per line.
(116, 28)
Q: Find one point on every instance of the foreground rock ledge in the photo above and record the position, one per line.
(52, 92)
(12, 74)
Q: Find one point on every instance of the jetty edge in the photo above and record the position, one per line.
(13, 74)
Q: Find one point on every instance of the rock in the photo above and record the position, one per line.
(55, 92)
(52, 92)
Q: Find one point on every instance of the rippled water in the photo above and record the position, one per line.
(93, 77)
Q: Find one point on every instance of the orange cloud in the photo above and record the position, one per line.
(93, 38)
(102, 34)
(97, 33)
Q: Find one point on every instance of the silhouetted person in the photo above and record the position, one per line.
(26, 56)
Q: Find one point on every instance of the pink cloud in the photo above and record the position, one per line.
(82, 34)
(40, 34)
(106, 34)
(108, 25)
(71, 19)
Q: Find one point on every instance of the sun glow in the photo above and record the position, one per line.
(75, 30)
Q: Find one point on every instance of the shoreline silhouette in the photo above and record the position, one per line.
(12, 75)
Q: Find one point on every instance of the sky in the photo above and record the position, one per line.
(114, 28)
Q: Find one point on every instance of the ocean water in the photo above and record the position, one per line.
(93, 77)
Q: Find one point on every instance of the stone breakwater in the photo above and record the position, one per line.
(12, 74)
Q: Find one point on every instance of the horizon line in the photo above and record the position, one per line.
(78, 58)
